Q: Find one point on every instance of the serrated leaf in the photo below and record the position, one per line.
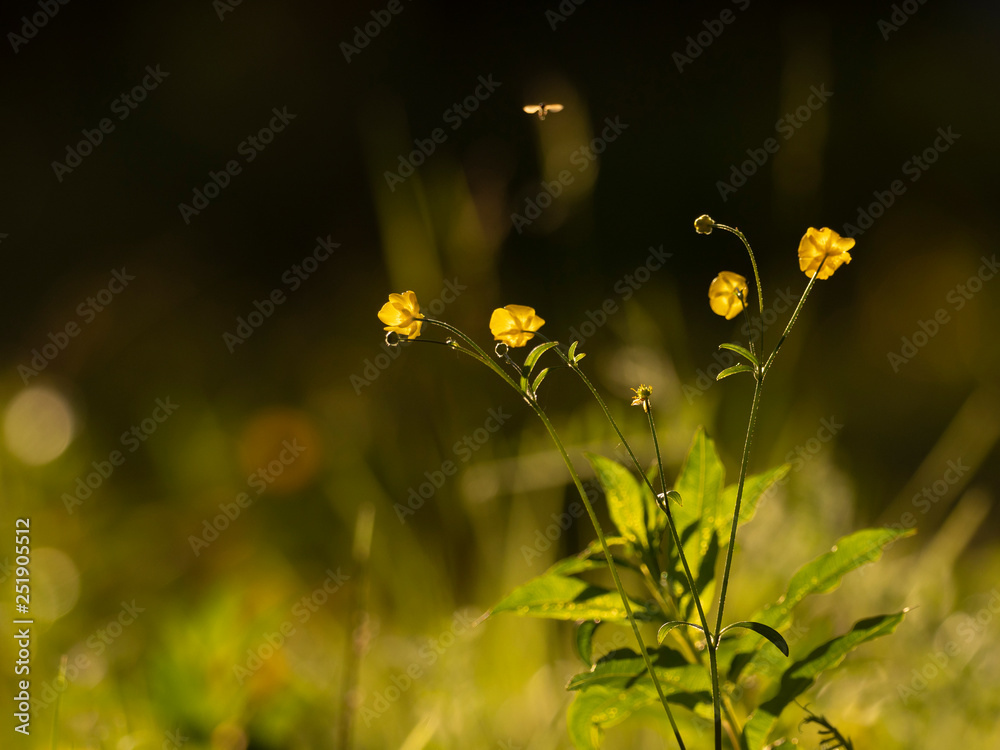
(800, 676)
(585, 640)
(534, 354)
(598, 708)
(625, 668)
(584, 733)
(754, 488)
(742, 351)
(631, 506)
(733, 371)
(561, 597)
(818, 576)
(699, 483)
(825, 572)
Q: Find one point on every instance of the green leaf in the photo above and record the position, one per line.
(584, 732)
(624, 668)
(598, 708)
(699, 483)
(585, 640)
(754, 488)
(800, 676)
(534, 354)
(742, 351)
(733, 370)
(665, 628)
(572, 350)
(577, 564)
(758, 627)
(631, 506)
(818, 576)
(824, 573)
(539, 379)
(561, 597)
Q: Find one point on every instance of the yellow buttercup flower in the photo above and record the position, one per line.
(401, 314)
(514, 324)
(826, 247)
(727, 294)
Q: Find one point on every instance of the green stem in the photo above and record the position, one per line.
(614, 571)
(638, 467)
(739, 498)
(756, 275)
(709, 639)
(751, 429)
(478, 354)
(791, 321)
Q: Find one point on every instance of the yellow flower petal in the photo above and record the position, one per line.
(723, 297)
(823, 250)
(514, 325)
(401, 314)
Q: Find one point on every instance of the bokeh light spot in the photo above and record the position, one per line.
(55, 583)
(38, 425)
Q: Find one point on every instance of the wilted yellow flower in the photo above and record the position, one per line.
(725, 292)
(514, 324)
(818, 244)
(642, 394)
(401, 314)
(704, 224)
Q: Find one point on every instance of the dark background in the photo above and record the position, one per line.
(298, 375)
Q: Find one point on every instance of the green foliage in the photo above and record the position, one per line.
(800, 676)
(618, 684)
